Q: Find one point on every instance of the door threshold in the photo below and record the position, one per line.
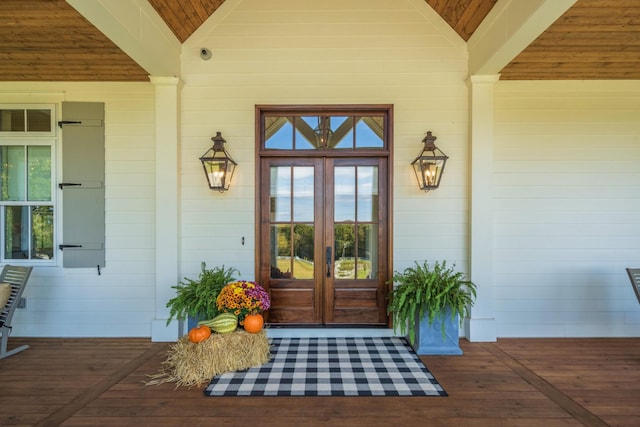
(328, 332)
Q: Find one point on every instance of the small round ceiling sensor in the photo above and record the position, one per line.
(205, 54)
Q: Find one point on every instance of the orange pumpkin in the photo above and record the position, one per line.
(253, 323)
(199, 333)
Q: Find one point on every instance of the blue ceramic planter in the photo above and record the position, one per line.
(192, 322)
(429, 338)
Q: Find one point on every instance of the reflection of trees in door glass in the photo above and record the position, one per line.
(293, 258)
(347, 264)
(303, 260)
(344, 247)
(280, 237)
(367, 251)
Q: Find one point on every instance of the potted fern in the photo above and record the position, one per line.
(428, 304)
(196, 299)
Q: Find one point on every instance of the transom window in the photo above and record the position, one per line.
(23, 120)
(323, 132)
(26, 183)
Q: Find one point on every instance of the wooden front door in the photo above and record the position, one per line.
(323, 206)
(324, 239)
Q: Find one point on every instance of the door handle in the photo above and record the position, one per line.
(328, 261)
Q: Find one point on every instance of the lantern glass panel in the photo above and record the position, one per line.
(428, 171)
(217, 173)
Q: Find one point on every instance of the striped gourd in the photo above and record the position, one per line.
(222, 323)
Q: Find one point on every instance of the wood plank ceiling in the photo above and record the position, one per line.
(47, 40)
(594, 39)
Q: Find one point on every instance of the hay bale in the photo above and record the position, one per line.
(190, 364)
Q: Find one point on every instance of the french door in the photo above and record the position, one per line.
(324, 238)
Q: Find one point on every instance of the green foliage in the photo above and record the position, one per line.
(197, 298)
(424, 290)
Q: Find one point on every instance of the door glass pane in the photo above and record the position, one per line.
(12, 169)
(39, 170)
(278, 133)
(370, 132)
(292, 190)
(342, 128)
(280, 209)
(303, 193)
(345, 193)
(303, 249)
(367, 251)
(367, 193)
(42, 230)
(12, 121)
(344, 247)
(305, 135)
(16, 232)
(346, 142)
(280, 245)
(38, 120)
(338, 122)
(341, 132)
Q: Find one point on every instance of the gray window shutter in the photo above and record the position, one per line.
(82, 184)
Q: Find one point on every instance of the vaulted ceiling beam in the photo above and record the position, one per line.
(508, 29)
(135, 27)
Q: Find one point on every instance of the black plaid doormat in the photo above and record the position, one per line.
(384, 366)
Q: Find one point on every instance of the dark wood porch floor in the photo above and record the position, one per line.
(514, 382)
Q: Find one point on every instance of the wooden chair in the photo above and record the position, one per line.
(16, 277)
(634, 276)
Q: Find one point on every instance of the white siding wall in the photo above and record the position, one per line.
(119, 302)
(324, 52)
(567, 208)
(567, 167)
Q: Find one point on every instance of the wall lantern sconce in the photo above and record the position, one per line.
(429, 164)
(218, 165)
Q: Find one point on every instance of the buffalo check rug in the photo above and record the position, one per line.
(381, 366)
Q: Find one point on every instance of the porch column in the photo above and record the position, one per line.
(167, 206)
(481, 326)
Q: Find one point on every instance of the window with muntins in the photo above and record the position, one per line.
(27, 208)
(323, 132)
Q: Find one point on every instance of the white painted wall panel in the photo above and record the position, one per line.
(567, 208)
(338, 52)
(119, 302)
(566, 167)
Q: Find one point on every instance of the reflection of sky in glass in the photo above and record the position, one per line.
(281, 193)
(303, 194)
(367, 187)
(282, 139)
(345, 192)
(302, 142)
(346, 142)
(312, 121)
(365, 137)
(336, 121)
(302, 197)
